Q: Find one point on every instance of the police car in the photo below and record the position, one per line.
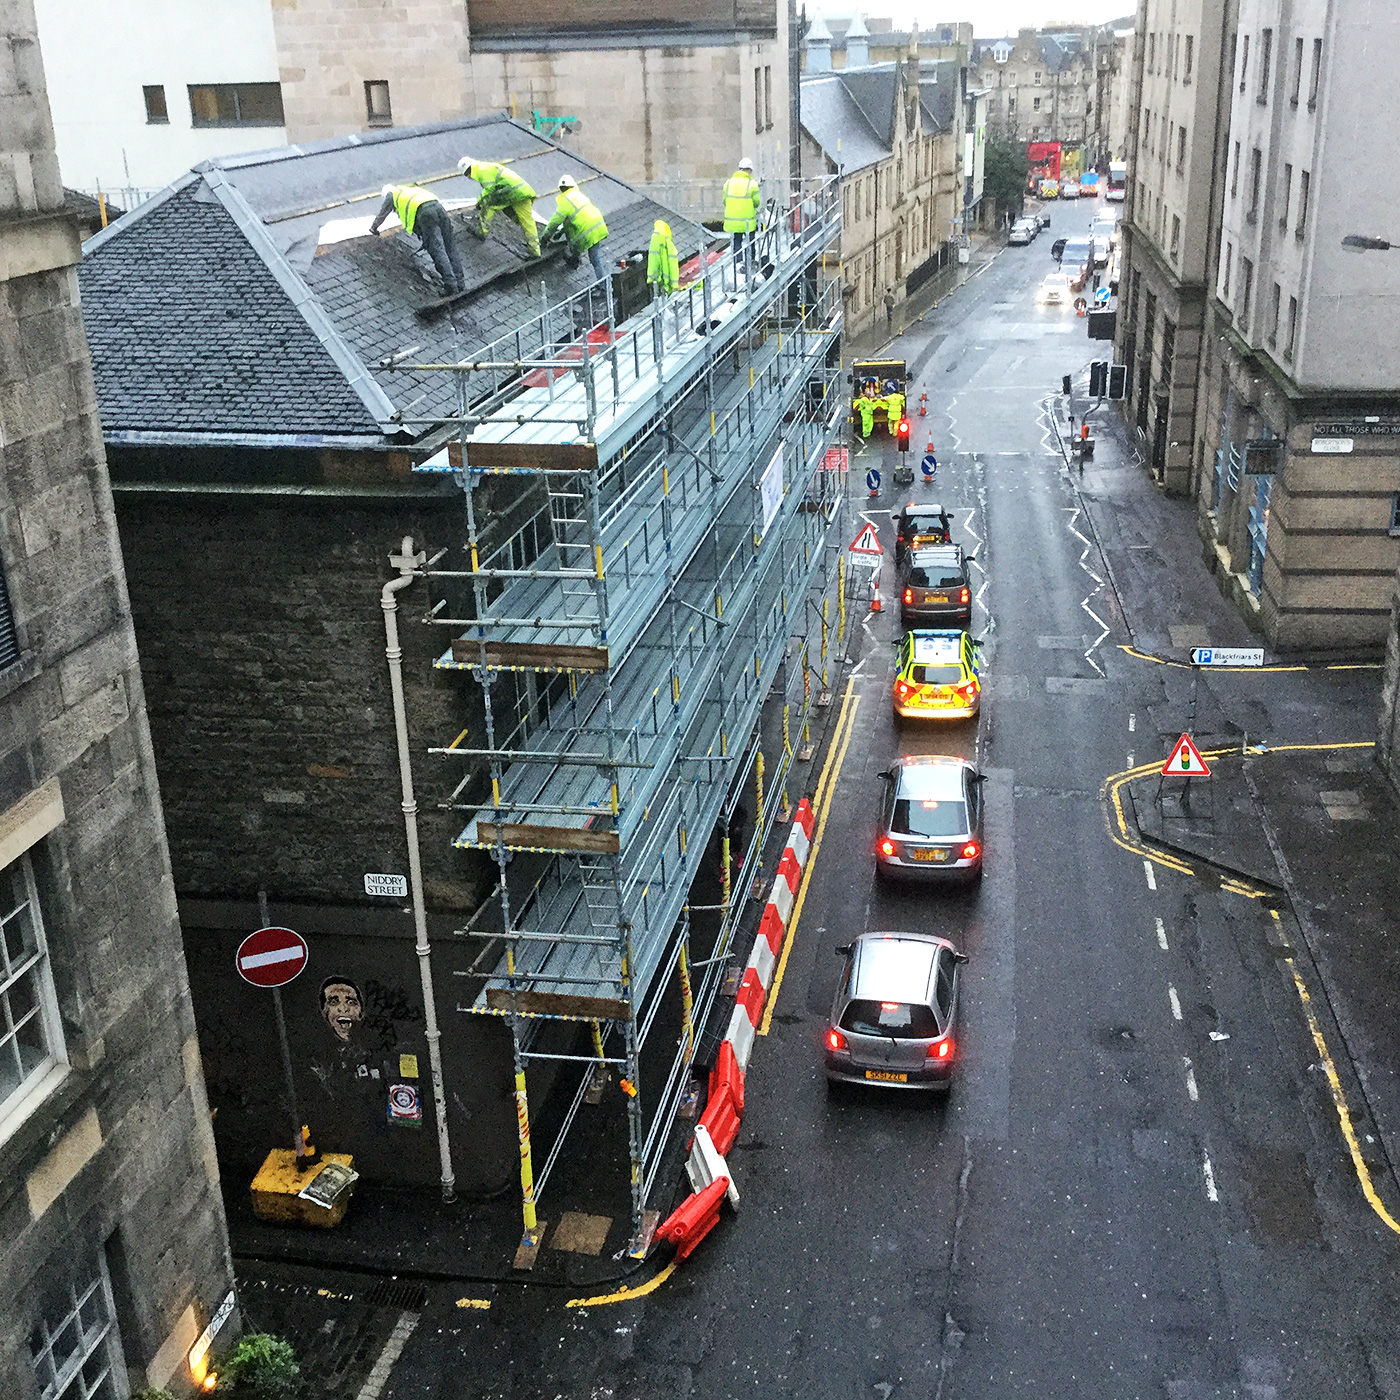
(938, 676)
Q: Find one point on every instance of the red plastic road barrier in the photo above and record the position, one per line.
(724, 1105)
(694, 1218)
(751, 995)
(790, 869)
(805, 817)
(770, 928)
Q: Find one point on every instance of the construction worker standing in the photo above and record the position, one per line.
(502, 188)
(663, 262)
(421, 213)
(865, 406)
(894, 410)
(742, 201)
(580, 221)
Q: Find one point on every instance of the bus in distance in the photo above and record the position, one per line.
(1117, 180)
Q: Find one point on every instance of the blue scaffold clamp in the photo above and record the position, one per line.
(872, 480)
(929, 466)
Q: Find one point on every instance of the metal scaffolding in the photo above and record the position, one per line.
(635, 598)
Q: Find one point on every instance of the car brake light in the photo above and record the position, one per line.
(970, 850)
(966, 595)
(968, 690)
(908, 595)
(835, 1040)
(940, 1049)
(887, 848)
(902, 688)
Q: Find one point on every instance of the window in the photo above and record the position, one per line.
(1287, 197)
(1176, 237)
(1190, 60)
(767, 98)
(31, 1040)
(378, 110)
(236, 104)
(1266, 56)
(9, 637)
(758, 100)
(1037, 75)
(1315, 76)
(1035, 104)
(1244, 61)
(1246, 290)
(1292, 328)
(1225, 280)
(1235, 173)
(156, 112)
(1256, 174)
(1151, 53)
(1297, 71)
(1011, 104)
(1395, 515)
(1304, 182)
(74, 1344)
(1180, 149)
(1275, 312)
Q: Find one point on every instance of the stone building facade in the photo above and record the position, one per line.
(113, 1253)
(896, 134)
(858, 41)
(1042, 85)
(1297, 455)
(1182, 102)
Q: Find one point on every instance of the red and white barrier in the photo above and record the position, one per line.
(724, 1103)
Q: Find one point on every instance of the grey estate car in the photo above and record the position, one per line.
(896, 1010)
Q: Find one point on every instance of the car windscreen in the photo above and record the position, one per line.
(935, 675)
(924, 816)
(936, 576)
(1076, 250)
(900, 1019)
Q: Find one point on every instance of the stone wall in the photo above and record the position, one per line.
(107, 1163)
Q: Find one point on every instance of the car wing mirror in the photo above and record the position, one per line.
(959, 957)
(844, 949)
(887, 774)
(978, 777)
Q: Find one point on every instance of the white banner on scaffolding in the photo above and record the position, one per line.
(770, 489)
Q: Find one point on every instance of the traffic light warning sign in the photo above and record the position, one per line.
(1185, 761)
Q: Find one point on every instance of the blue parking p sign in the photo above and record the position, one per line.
(929, 465)
(872, 479)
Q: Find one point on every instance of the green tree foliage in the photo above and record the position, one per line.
(262, 1367)
(1004, 176)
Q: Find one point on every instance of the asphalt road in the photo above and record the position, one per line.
(1137, 1187)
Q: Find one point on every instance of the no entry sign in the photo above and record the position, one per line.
(271, 957)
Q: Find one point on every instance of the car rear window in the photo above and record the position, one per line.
(935, 675)
(1077, 248)
(927, 817)
(900, 1019)
(935, 578)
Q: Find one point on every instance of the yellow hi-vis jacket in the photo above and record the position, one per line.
(408, 200)
(663, 262)
(742, 201)
(581, 220)
(500, 186)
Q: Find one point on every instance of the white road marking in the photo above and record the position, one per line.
(1162, 935)
(1132, 723)
(1211, 1193)
(1191, 1088)
(1151, 878)
(1130, 758)
(859, 668)
(1175, 1001)
(1220, 1035)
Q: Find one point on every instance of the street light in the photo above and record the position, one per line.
(1360, 243)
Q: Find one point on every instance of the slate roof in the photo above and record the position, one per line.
(215, 309)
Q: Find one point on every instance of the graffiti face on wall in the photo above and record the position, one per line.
(342, 1006)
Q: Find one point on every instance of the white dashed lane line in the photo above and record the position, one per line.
(1162, 934)
(1175, 1001)
(1151, 878)
(1132, 723)
(1191, 1088)
(1211, 1193)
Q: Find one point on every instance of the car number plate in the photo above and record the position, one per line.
(887, 1076)
(928, 853)
(935, 597)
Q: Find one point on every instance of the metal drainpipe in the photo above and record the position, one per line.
(407, 563)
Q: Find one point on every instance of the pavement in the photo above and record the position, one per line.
(1166, 1168)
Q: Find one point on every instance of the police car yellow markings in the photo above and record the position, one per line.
(920, 651)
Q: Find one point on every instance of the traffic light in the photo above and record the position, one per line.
(1064, 386)
(1118, 382)
(1098, 379)
(904, 435)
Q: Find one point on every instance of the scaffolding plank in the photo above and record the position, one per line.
(557, 456)
(534, 656)
(557, 1004)
(527, 836)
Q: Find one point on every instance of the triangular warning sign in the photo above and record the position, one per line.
(867, 542)
(1185, 761)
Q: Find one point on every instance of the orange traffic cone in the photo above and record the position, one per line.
(923, 405)
(875, 604)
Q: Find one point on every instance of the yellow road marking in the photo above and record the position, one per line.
(1339, 1098)
(840, 742)
(621, 1295)
(1273, 669)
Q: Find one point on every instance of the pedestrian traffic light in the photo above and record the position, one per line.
(1118, 382)
(904, 435)
(1098, 379)
(1064, 386)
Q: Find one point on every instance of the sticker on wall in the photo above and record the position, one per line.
(404, 1107)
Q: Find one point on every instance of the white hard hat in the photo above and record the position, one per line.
(465, 164)
(388, 189)
(746, 165)
(567, 182)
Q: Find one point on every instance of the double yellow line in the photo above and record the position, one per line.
(1272, 669)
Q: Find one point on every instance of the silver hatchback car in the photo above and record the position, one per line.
(895, 1015)
(930, 820)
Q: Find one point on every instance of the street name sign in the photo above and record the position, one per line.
(1185, 761)
(271, 957)
(389, 886)
(1227, 656)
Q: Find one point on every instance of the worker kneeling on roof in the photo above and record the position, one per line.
(663, 262)
(578, 220)
(421, 213)
(502, 188)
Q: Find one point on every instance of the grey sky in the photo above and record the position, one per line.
(992, 17)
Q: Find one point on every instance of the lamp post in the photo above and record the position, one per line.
(1361, 243)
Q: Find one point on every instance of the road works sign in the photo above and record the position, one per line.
(1185, 761)
(867, 542)
(271, 957)
(1227, 656)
